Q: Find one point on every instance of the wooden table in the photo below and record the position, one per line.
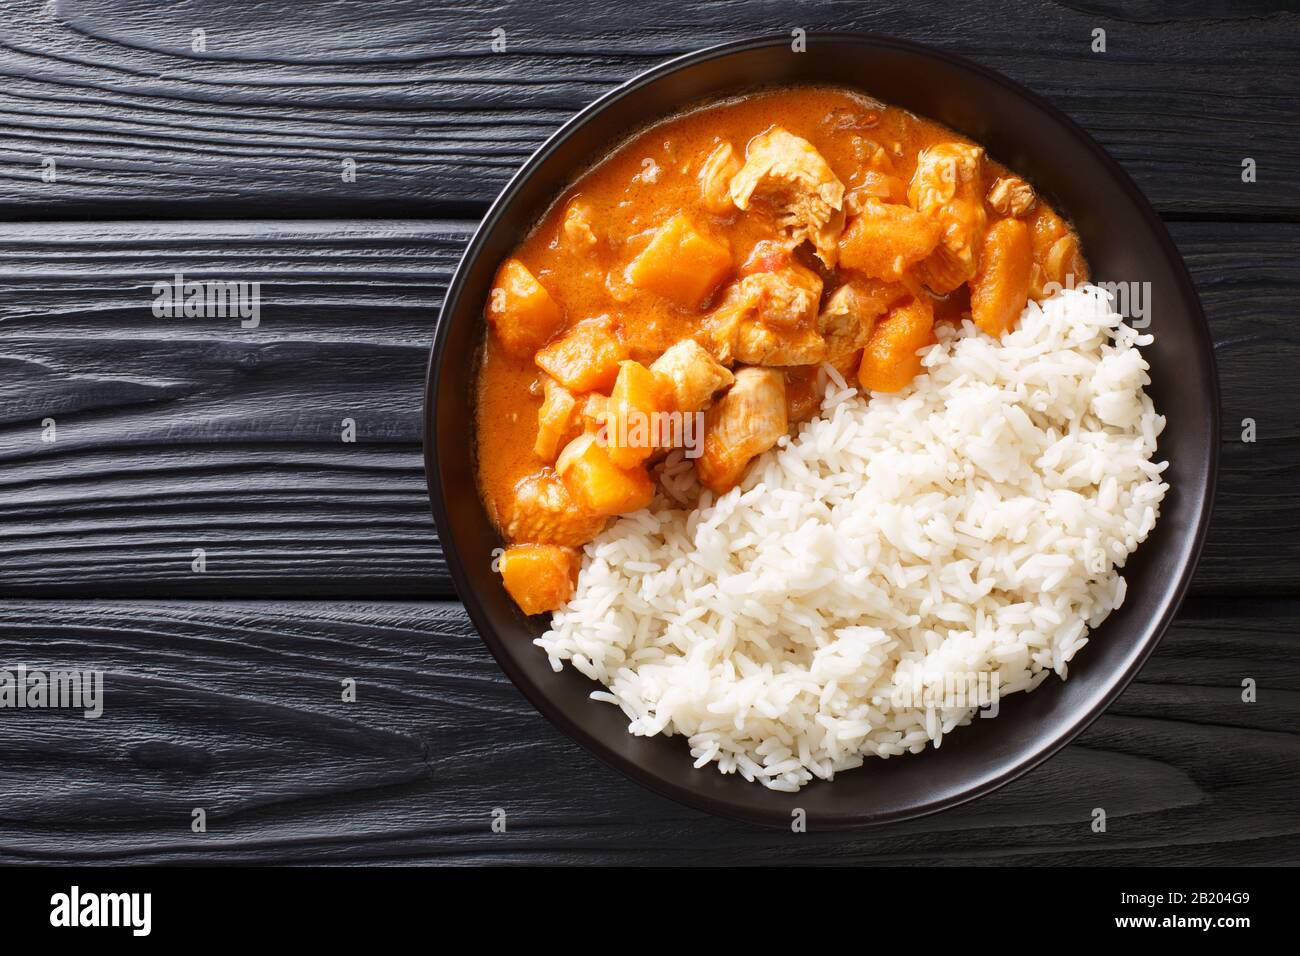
(322, 562)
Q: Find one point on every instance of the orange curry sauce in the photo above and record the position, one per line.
(581, 250)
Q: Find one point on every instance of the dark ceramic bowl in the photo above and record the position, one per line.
(1123, 240)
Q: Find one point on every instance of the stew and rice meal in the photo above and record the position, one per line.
(801, 421)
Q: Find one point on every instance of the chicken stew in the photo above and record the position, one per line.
(686, 291)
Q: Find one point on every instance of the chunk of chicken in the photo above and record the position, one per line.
(787, 173)
(769, 318)
(745, 422)
(557, 420)
(850, 313)
(540, 510)
(784, 299)
(719, 167)
(1011, 196)
(946, 189)
(693, 374)
(759, 344)
(576, 232)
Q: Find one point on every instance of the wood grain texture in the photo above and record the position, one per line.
(235, 707)
(260, 121)
(176, 434)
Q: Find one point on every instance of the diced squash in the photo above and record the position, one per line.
(540, 510)
(1048, 227)
(586, 358)
(1000, 288)
(1058, 260)
(521, 311)
(639, 399)
(599, 485)
(540, 577)
(889, 360)
(555, 420)
(1045, 228)
(681, 264)
(886, 239)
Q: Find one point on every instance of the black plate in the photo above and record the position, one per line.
(1123, 240)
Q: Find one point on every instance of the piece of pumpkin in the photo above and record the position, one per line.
(889, 360)
(521, 311)
(681, 263)
(584, 359)
(599, 485)
(1000, 287)
(886, 239)
(540, 577)
(639, 399)
(1057, 261)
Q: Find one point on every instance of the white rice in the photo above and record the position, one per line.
(971, 524)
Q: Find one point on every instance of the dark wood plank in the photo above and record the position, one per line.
(235, 707)
(176, 434)
(140, 124)
(1244, 273)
